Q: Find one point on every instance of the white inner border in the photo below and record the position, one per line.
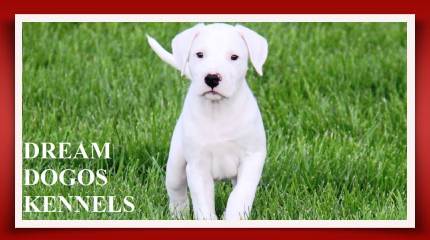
(408, 18)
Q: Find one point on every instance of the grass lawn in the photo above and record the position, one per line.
(333, 100)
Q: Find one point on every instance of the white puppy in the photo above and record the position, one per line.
(220, 133)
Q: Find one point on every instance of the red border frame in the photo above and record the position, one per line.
(9, 8)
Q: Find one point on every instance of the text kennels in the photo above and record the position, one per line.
(69, 176)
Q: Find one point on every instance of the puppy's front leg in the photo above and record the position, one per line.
(201, 185)
(241, 198)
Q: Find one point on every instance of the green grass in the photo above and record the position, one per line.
(333, 100)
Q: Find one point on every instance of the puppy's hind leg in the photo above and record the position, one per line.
(176, 180)
(233, 182)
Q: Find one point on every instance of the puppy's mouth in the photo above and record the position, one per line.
(213, 95)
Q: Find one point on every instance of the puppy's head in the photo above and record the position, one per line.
(216, 57)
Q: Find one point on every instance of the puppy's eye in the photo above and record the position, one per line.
(234, 57)
(199, 55)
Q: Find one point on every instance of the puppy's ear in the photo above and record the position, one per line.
(181, 46)
(257, 47)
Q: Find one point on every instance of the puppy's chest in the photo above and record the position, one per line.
(223, 159)
(220, 150)
(219, 146)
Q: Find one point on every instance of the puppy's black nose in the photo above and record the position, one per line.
(212, 80)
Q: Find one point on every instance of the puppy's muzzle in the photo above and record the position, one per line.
(212, 80)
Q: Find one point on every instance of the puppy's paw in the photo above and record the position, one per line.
(180, 209)
(234, 215)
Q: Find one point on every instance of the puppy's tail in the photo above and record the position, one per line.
(161, 52)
